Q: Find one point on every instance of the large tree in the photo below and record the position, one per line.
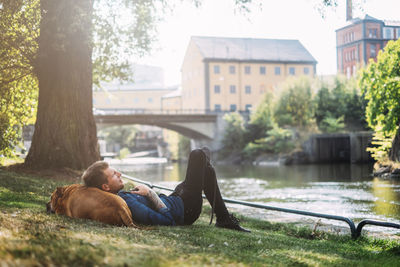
(380, 82)
(65, 130)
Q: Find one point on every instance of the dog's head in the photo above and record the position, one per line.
(55, 200)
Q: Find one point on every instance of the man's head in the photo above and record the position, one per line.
(102, 176)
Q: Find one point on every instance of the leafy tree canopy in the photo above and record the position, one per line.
(380, 82)
(339, 106)
(19, 29)
(233, 140)
(295, 106)
(261, 120)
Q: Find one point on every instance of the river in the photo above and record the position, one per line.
(337, 189)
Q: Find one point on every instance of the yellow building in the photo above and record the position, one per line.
(136, 100)
(172, 102)
(232, 74)
(143, 94)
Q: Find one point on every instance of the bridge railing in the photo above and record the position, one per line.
(125, 111)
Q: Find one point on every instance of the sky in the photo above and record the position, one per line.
(276, 19)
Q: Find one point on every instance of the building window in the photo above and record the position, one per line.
(232, 89)
(108, 101)
(248, 107)
(247, 89)
(217, 89)
(388, 33)
(150, 100)
(247, 70)
(372, 50)
(398, 33)
(216, 69)
(292, 71)
(232, 107)
(232, 69)
(306, 70)
(372, 33)
(217, 107)
(136, 100)
(354, 70)
(277, 70)
(263, 70)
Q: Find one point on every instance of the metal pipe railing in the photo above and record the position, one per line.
(355, 231)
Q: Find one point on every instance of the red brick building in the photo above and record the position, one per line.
(360, 40)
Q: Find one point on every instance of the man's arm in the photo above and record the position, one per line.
(152, 196)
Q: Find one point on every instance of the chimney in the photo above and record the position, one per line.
(349, 10)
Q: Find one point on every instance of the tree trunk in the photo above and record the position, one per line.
(394, 153)
(65, 130)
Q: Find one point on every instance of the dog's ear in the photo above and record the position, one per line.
(60, 191)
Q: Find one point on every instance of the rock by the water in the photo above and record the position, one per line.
(382, 170)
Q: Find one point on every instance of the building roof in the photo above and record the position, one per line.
(393, 23)
(176, 93)
(359, 20)
(249, 49)
(144, 78)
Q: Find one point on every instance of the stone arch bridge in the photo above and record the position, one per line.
(205, 129)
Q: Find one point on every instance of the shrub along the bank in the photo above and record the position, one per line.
(283, 121)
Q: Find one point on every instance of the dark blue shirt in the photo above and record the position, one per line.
(142, 212)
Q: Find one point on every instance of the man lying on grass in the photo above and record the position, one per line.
(182, 207)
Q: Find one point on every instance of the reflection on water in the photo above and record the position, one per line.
(339, 189)
(387, 197)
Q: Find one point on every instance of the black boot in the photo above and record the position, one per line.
(231, 222)
(207, 151)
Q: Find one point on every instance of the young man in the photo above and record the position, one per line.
(182, 207)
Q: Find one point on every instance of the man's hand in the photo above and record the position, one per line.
(146, 191)
(141, 189)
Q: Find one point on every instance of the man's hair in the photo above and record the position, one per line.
(94, 175)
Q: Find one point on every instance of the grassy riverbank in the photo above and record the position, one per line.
(30, 237)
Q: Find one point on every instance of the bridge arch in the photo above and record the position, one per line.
(194, 126)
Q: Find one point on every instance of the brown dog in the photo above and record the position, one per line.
(79, 201)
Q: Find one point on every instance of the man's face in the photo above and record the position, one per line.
(114, 181)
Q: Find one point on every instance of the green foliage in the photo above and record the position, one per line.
(380, 82)
(277, 140)
(340, 100)
(183, 147)
(381, 144)
(122, 29)
(19, 29)
(332, 125)
(233, 140)
(261, 120)
(123, 135)
(123, 153)
(295, 105)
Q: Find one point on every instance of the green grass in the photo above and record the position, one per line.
(31, 237)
